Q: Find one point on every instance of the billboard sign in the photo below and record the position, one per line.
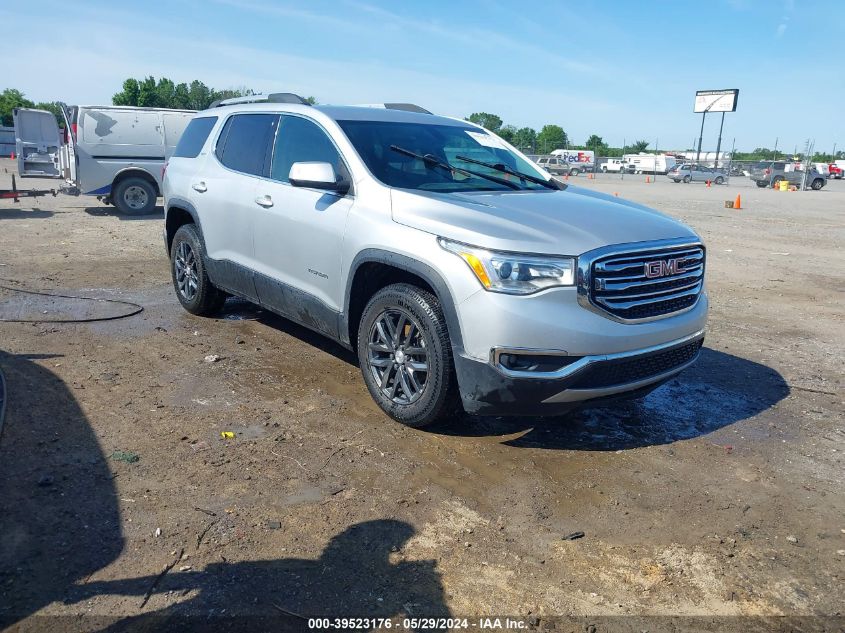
(716, 100)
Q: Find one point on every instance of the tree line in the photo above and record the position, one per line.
(164, 93)
(549, 138)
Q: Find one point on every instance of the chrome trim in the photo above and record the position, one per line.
(585, 263)
(580, 364)
(576, 395)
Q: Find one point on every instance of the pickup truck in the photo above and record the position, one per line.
(769, 173)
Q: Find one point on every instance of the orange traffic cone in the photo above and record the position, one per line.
(707, 182)
(616, 193)
(737, 202)
(648, 178)
(13, 155)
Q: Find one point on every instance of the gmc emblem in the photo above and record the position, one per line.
(663, 268)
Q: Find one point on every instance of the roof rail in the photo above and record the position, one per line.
(407, 107)
(275, 97)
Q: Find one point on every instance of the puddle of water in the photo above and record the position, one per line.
(305, 495)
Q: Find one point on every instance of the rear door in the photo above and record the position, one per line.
(224, 194)
(37, 143)
(67, 153)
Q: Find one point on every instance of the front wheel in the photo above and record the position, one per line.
(193, 288)
(686, 179)
(719, 180)
(135, 196)
(406, 355)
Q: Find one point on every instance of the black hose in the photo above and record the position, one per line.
(135, 308)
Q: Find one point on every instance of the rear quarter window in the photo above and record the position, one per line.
(194, 137)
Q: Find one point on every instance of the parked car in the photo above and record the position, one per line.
(768, 173)
(613, 165)
(696, 173)
(560, 166)
(460, 273)
(115, 153)
(835, 171)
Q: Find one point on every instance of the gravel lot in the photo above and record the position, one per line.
(720, 494)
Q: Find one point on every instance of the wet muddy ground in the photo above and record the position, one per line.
(721, 493)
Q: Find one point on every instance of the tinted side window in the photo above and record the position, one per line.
(245, 142)
(300, 140)
(194, 137)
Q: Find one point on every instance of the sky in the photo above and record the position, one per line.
(623, 70)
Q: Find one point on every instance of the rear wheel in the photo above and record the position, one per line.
(719, 180)
(686, 179)
(193, 288)
(818, 183)
(135, 196)
(762, 183)
(406, 355)
(574, 171)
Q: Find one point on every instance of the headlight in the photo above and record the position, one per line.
(514, 273)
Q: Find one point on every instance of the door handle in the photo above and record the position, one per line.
(264, 201)
(199, 186)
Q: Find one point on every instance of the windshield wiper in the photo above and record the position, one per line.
(430, 159)
(507, 170)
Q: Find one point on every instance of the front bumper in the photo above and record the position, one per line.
(491, 389)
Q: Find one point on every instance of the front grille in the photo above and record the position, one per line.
(649, 283)
(627, 370)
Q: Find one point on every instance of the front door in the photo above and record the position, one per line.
(298, 232)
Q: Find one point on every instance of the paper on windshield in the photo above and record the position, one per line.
(487, 140)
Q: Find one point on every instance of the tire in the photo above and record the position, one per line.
(403, 317)
(818, 183)
(193, 288)
(719, 180)
(604, 170)
(135, 196)
(762, 183)
(574, 172)
(687, 179)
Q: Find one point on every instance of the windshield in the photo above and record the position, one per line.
(373, 141)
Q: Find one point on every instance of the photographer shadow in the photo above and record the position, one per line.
(353, 577)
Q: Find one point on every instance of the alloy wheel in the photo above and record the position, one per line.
(397, 356)
(187, 277)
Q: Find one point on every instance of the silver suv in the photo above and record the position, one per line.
(460, 273)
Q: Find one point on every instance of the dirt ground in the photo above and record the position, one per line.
(718, 495)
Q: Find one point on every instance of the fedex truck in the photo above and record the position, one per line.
(579, 160)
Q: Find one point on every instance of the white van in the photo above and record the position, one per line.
(116, 153)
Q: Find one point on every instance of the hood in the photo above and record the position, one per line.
(567, 222)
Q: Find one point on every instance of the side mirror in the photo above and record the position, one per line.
(316, 176)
